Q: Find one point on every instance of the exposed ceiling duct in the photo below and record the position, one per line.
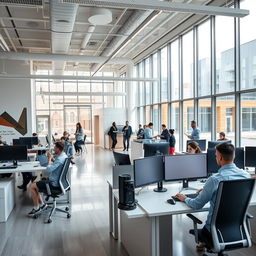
(31, 3)
(63, 17)
(3, 45)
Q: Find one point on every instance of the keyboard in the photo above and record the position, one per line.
(187, 195)
(8, 167)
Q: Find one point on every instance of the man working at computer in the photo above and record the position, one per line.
(54, 168)
(195, 135)
(225, 154)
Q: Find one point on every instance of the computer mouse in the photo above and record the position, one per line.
(171, 201)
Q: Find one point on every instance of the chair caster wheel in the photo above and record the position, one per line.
(68, 216)
(67, 209)
(49, 221)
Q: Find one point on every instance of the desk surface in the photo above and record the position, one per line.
(24, 167)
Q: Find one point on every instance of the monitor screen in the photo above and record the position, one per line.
(212, 166)
(34, 140)
(10, 153)
(201, 143)
(157, 148)
(121, 159)
(187, 166)
(148, 170)
(16, 142)
(250, 156)
(213, 144)
(27, 141)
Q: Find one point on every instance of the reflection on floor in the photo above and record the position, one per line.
(86, 233)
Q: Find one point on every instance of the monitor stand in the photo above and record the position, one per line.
(15, 163)
(160, 187)
(185, 186)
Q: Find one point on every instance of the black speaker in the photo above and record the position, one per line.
(126, 193)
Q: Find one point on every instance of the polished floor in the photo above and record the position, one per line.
(86, 233)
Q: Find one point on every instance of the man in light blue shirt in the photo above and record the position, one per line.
(148, 132)
(225, 154)
(195, 135)
(54, 168)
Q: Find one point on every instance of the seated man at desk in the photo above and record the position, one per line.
(54, 168)
(225, 154)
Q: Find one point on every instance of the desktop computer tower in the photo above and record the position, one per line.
(126, 193)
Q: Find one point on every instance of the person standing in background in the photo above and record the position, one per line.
(127, 132)
(148, 132)
(113, 133)
(222, 136)
(140, 132)
(79, 138)
(195, 135)
(172, 142)
(165, 133)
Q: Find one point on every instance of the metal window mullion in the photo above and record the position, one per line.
(169, 91)
(181, 130)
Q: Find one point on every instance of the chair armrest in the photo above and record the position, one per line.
(194, 219)
(249, 216)
(47, 183)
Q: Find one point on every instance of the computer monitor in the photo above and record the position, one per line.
(16, 142)
(213, 144)
(34, 140)
(201, 143)
(250, 157)
(212, 166)
(156, 148)
(121, 159)
(13, 153)
(27, 141)
(149, 170)
(185, 167)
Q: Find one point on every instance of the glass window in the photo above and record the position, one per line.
(108, 86)
(57, 124)
(148, 114)
(155, 75)
(156, 120)
(204, 118)
(175, 81)
(225, 116)
(141, 85)
(70, 86)
(42, 101)
(108, 101)
(175, 116)
(225, 68)
(147, 84)
(188, 116)
(204, 59)
(141, 116)
(248, 45)
(84, 87)
(119, 101)
(56, 102)
(187, 59)
(248, 119)
(164, 71)
(56, 87)
(84, 99)
(164, 114)
(96, 87)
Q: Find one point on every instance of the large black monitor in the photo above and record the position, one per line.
(213, 144)
(250, 157)
(185, 167)
(212, 166)
(201, 143)
(15, 142)
(149, 170)
(157, 148)
(13, 153)
(34, 140)
(121, 159)
(27, 141)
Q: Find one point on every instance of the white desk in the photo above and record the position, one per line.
(149, 231)
(37, 148)
(24, 167)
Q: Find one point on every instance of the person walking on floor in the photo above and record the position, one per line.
(113, 134)
(127, 132)
(79, 138)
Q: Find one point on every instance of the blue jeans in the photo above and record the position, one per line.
(77, 145)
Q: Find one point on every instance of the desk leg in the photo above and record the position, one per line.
(110, 208)
(162, 236)
(115, 224)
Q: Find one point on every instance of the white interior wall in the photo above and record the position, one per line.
(15, 95)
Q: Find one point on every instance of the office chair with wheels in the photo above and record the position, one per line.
(84, 149)
(55, 193)
(230, 227)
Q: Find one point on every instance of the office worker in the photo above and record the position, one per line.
(79, 138)
(165, 135)
(65, 136)
(225, 154)
(172, 142)
(195, 135)
(148, 132)
(193, 148)
(127, 132)
(113, 134)
(222, 136)
(140, 132)
(53, 168)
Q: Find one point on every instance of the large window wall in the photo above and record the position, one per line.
(199, 80)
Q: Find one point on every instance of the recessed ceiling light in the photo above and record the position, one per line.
(63, 21)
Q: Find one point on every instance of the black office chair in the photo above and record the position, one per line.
(230, 227)
(64, 188)
(83, 145)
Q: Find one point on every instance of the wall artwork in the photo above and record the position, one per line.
(9, 121)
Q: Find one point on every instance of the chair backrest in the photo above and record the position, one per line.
(63, 179)
(85, 136)
(228, 226)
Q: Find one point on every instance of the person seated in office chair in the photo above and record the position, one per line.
(54, 168)
(65, 136)
(225, 154)
(222, 136)
(193, 148)
(140, 132)
(68, 147)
